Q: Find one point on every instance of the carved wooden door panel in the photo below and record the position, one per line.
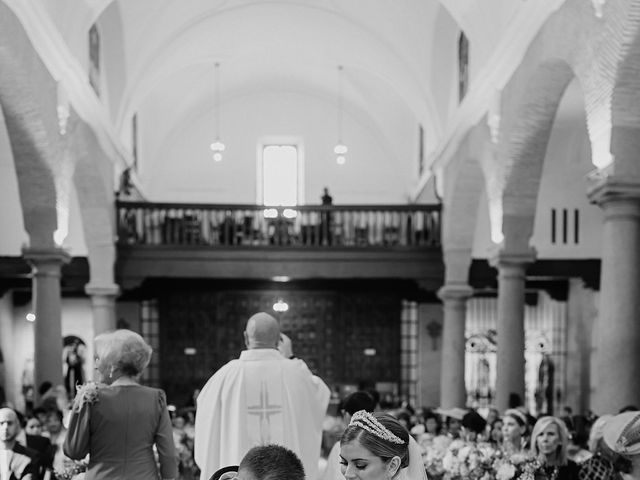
(334, 333)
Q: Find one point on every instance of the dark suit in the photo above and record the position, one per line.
(45, 450)
(23, 464)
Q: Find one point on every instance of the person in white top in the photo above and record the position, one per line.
(261, 398)
(17, 462)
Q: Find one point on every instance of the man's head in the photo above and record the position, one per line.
(9, 426)
(262, 331)
(270, 462)
(355, 402)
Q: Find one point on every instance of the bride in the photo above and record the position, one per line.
(375, 446)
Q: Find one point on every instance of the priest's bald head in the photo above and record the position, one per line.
(262, 331)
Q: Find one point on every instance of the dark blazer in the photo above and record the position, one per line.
(23, 464)
(45, 450)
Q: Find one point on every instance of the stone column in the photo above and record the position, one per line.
(103, 304)
(510, 357)
(453, 391)
(617, 330)
(46, 266)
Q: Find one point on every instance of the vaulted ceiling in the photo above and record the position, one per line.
(399, 58)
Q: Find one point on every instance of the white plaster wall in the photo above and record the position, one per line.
(184, 171)
(564, 185)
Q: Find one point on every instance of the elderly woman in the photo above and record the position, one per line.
(549, 442)
(375, 446)
(119, 421)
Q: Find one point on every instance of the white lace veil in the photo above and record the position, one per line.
(415, 470)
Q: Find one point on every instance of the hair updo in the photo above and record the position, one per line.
(381, 448)
(123, 351)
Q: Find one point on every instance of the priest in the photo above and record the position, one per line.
(261, 398)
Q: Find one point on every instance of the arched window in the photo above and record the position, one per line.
(94, 58)
(463, 66)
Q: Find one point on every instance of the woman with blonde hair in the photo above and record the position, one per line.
(118, 421)
(549, 443)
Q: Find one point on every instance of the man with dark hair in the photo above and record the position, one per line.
(355, 402)
(266, 462)
(270, 462)
(349, 405)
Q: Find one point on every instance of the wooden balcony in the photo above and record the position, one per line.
(350, 226)
(254, 241)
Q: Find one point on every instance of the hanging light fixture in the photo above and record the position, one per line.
(340, 149)
(217, 147)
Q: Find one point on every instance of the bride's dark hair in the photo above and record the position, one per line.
(384, 449)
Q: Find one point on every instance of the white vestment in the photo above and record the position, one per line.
(258, 399)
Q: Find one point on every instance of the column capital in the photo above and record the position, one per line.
(459, 292)
(101, 290)
(46, 260)
(611, 188)
(503, 258)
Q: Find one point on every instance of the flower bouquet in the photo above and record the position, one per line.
(469, 460)
(516, 466)
(73, 470)
(433, 449)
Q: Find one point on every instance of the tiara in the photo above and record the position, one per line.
(368, 422)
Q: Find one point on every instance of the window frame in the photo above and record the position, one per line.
(280, 140)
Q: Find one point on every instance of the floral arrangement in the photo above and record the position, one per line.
(433, 449)
(72, 471)
(516, 466)
(469, 460)
(462, 460)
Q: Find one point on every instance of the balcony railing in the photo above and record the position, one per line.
(350, 226)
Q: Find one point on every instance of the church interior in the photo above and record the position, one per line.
(440, 198)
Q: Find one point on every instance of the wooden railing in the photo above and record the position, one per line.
(357, 226)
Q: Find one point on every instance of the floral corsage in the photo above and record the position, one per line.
(72, 471)
(87, 393)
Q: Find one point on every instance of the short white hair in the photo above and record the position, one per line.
(124, 351)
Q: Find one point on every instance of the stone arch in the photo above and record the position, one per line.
(522, 154)
(93, 182)
(26, 91)
(625, 114)
(464, 184)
